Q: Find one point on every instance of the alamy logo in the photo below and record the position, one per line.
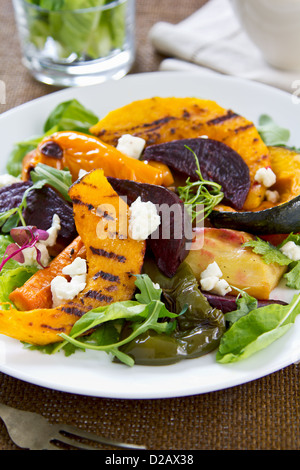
(2, 92)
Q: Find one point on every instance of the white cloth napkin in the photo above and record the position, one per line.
(212, 38)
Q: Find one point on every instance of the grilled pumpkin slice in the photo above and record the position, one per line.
(113, 259)
(159, 120)
(281, 217)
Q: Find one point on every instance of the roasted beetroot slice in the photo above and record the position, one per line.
(218, 163)
(228, 303)
(42, 205)
(169, 245)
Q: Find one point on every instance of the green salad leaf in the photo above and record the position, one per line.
(245, 303)
(272, 254)
(272, 133)
(70, 115)
(13, 274)
(257, 330)
(100, 328)
(269, 252)
(61, 180)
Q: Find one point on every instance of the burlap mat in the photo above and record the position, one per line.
(261, 415)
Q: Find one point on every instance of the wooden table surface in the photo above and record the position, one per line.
(260, 415)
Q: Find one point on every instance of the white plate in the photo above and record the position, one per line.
(91, 373)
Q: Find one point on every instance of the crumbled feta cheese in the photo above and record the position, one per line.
(144, 219)
(210, 280)
(77, 268)
(291, 250)
(209, 283)
(212, 270)
(30, 255)
(156, 285)
(130, 145)
(53, 231)
(222, 287)
(272, 196)
(266, 177)
(62, 289)
(7, 180)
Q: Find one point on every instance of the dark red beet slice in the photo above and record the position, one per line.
(218, 163)
(170, 244)
(228, 303)
(42, 204)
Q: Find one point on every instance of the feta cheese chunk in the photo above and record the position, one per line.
(265, 176)
(130, 145)
(272, 196)
(210, 280)
(221, 288)
(30, 255)
(53, 231)
(143, 219)
(291, 250)
(7, 180)
(62, 289)
(209, 283)
(77, 268)
(212, 270)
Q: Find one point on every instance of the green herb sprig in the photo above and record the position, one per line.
(201, 196)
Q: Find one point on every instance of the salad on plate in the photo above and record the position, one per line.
(161, 232)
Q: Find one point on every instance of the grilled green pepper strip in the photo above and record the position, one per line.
(198, 329)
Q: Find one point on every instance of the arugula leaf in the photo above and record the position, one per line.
(245, 304)
(61, 180)
(150, 313)
(149, 291)
(269, 253)
(146, 317)
(271, 133)
(257, 330)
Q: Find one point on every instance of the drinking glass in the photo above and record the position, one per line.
(76, 42)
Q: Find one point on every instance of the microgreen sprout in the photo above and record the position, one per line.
(24, 237)
(201, 196)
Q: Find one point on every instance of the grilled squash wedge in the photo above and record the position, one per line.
(281, 217)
